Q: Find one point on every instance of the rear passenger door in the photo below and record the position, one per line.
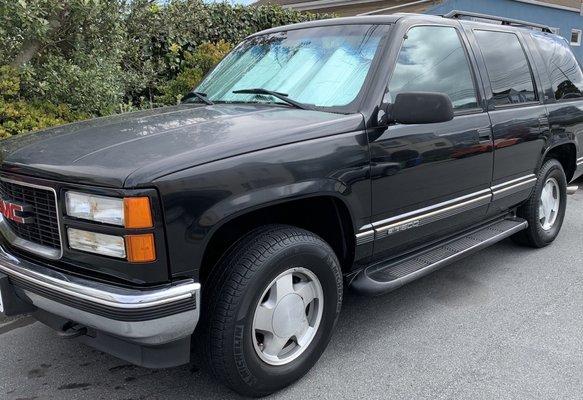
(518, 116)
(563, 90)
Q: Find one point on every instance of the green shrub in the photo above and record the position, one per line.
(61, 60)
(194, 67)
(20, 116)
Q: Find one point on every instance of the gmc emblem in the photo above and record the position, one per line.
(13, 212)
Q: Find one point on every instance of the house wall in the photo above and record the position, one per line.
(556, 18)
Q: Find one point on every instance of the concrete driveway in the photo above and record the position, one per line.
(506, 323)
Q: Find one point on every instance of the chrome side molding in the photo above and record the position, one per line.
(423, 216)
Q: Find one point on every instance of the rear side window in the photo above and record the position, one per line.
(564, 70)
(507, 66)
(432, 59)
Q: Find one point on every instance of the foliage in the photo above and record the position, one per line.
(19, 116)
(64, 59)
(22, 116)
(194, 67)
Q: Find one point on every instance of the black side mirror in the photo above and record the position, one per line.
(421, 108)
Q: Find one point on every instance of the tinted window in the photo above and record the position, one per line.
(432, 59)
(507, 66)
(564, 70)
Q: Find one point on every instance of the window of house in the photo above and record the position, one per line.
(508, 68)
(432, 59)
(575, 37)
(564, 70)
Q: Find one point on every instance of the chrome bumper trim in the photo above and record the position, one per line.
(58, 293)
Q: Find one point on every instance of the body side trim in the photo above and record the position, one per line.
(417, 218)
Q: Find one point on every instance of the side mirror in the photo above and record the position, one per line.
(421, 108)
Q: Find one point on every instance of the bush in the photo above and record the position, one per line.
(61, 60)
(19, 116)
(194, 67)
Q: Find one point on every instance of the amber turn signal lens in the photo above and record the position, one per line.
(137, 212)
(140, 248)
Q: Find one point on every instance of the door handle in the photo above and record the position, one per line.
(543, 121)
(485, 134)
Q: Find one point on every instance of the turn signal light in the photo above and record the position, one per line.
(140, 248)
(137, 212)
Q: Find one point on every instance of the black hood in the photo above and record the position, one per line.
(132, 149)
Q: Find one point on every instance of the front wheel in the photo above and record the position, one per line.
(545, 209)
(269, 309)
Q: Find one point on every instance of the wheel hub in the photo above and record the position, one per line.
(289, 316)
(549, 204)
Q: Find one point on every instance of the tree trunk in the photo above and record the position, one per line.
(29, 50)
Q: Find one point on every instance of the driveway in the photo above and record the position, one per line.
(506, 323)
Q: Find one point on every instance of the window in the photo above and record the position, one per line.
(432, 59)
(323, 66)
(507, 66)
(563, 68)
(575, 37)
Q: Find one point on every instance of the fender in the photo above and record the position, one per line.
(198, 201)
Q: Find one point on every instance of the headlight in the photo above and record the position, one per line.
(109, 210)
(131, 212)
(98, 243)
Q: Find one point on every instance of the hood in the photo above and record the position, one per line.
(131, 150)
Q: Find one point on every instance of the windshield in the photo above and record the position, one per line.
(322, 67)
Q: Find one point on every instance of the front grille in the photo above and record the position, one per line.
(44, 227)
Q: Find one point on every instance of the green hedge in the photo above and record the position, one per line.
(64, 60)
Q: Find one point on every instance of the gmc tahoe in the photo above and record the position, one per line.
(357, 153)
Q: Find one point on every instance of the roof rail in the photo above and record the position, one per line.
(504, 21)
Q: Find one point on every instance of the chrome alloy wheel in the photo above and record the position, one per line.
(550, 202)
(287, 316)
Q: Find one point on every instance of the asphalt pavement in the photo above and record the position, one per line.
(506, 323)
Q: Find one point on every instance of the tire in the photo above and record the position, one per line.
(537, 234)
(239, 286)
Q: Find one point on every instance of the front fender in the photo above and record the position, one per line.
(198, 201)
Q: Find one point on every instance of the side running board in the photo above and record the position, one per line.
(382, 278)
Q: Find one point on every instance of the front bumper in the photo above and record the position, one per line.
(149, 317)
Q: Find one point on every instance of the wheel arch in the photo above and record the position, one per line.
(325, 214)
(566, 154)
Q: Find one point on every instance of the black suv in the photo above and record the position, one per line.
(360, 152)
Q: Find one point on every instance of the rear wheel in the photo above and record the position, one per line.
(269, 309)
(545, 210)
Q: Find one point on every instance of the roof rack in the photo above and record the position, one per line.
(504, 21)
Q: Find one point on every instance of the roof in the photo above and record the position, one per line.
(380, 19)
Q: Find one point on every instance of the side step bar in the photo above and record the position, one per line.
(382, 278)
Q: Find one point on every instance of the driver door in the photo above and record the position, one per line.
(431, 180)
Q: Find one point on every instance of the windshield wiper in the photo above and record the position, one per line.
(278, 95)
(200, 96)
